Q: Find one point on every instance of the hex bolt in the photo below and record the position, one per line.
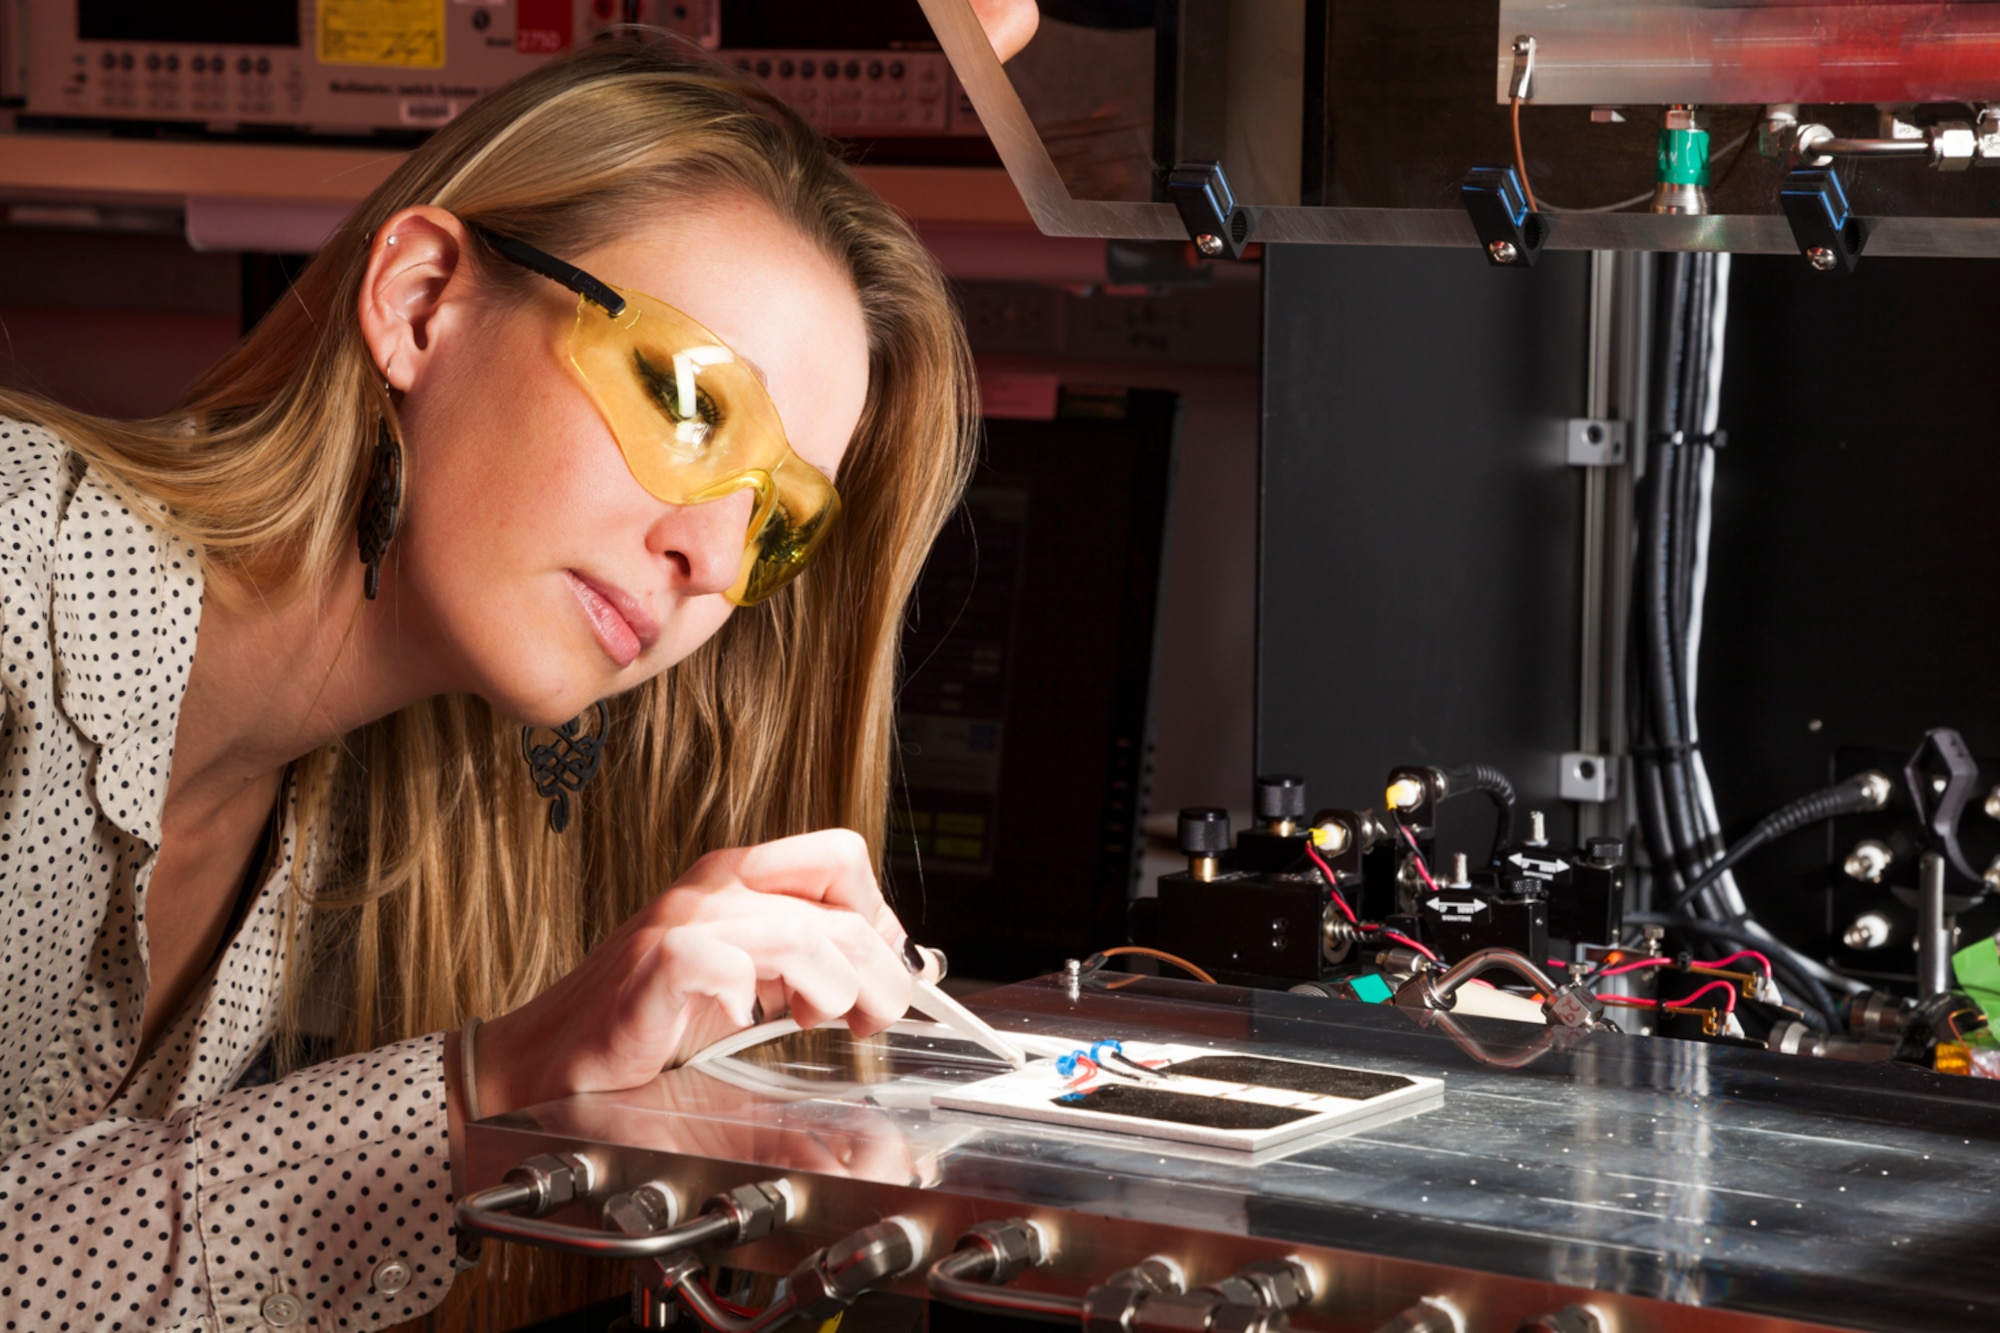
(1503, 252)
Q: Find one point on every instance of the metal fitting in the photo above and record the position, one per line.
(1538, 828)
(1504, 252)
(1823, 258)
(1992, 875)
(1778, 130)
(1280, 1284)
(1993, 803)
(753, 1210)
(1209, 244)
(1870, 930)
(1461, 871)
(1805, 140)
(1953, 145)
(1867, 861)
(553, 1179)
(1331, 837)
(1875, 789)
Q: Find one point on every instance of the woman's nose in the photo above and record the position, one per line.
(705, 541)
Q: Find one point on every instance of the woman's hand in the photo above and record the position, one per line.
(796, 923)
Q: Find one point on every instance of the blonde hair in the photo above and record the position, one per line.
(439, 886)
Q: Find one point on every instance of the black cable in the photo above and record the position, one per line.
(1866, 791)
(1490, 780)
(1819, 1002)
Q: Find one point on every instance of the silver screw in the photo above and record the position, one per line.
(1538, 828)
(1461, 870)
(1992, 876)
(1822, 258)
(1653, 934)
(1208, 243)
(1993, 804)
(1503, 252)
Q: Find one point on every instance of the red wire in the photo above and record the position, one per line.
(1728, 997)
(1762, 961)
(1623, 968)
(1332, 884)
(1422, 869)
(1087, 1068)
(1405, 939)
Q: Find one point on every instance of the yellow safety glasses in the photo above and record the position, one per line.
(694, 422)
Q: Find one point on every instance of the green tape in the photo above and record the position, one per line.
(1684, 157)
(1977, 967)
(1370, 987)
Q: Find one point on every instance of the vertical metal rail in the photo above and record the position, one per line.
(1621, 297)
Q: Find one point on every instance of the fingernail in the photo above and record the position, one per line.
(913, 956)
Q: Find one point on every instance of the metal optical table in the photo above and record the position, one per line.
(1654, 1184)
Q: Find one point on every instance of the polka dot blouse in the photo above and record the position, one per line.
(321, 1200)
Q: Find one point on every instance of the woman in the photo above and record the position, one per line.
(613, 355)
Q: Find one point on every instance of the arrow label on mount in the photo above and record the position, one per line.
(1456, 909)
(1539, 869)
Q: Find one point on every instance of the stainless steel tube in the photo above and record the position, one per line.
(1447, 983)
(956, 1279)
(1866, 148)
(485, 1212)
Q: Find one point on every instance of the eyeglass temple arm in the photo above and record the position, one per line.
(546, 264)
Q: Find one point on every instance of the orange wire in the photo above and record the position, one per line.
(1165, 957)
(1520, 158)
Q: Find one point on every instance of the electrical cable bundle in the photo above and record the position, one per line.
(1675, 802)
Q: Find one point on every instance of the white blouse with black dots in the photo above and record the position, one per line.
(323, 1199)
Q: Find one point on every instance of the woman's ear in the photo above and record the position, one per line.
(416, 277)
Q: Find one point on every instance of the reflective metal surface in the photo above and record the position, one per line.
(1677, 1185)
(1356, 123)
(1614, 52)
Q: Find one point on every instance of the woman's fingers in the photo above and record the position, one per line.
(831, 866)
(832, 964)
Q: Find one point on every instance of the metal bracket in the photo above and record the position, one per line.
(1510, 232)
(1829, 235)
(1588, 777)
(1592, 443)
(1208, 209)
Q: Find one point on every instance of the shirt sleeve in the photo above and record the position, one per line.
(321, 1201)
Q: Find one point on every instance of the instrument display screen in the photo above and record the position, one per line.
(222, 22)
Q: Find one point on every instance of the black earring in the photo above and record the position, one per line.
(381, 503)
(566, 763)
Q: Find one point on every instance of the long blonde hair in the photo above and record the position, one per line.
(439, 886)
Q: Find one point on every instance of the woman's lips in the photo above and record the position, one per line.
(623, 627)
